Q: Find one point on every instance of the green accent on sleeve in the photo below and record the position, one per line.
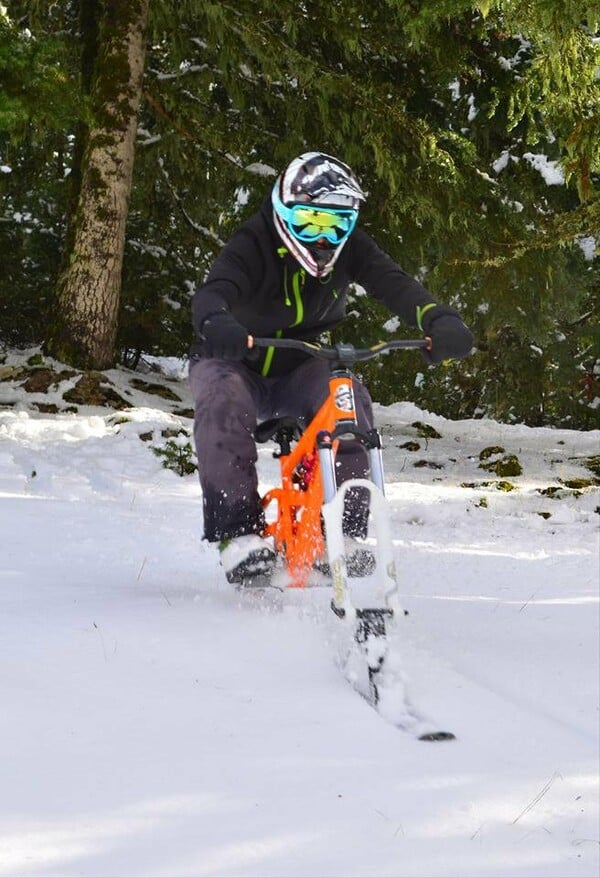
(269, 357)
(282, 251)
(422, 311)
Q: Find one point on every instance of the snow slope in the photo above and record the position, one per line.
(156, 723)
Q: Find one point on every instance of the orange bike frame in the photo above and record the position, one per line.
(297, 529)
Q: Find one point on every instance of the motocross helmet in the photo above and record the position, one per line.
(315, 208)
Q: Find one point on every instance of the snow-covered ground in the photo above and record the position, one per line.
(153, 722)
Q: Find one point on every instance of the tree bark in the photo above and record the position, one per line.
(90, 283)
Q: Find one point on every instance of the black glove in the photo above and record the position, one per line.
(224, 338)
(450, 338)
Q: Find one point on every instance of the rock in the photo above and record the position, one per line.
(9, 373)
(47, 408)
(508, 465)
(491, 451)
(428, 463)
(425, 430)
(155, 389)
(579, 484)
(41, 380)
(91, 389)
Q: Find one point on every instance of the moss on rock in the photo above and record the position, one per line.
(426, 431)
(506, 466)
(92, 389)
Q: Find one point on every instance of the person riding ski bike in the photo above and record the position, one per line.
(285, 273)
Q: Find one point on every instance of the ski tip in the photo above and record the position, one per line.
(257, 583)
(437, 736)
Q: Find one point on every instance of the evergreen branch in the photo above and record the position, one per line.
(163, 113)
(185, 71)
(581, 321)
(202, 230)
(554, 231)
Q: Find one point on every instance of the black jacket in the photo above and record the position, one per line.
(267, 291)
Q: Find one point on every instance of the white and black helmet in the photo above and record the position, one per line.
(316, 235)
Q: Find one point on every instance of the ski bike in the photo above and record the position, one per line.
(309, 505)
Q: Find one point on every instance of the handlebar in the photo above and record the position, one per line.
(342, 352)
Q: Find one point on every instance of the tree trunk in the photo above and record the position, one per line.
(90, 283)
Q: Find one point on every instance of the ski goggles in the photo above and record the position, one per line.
(308, 223)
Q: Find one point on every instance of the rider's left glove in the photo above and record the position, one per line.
(450, 338)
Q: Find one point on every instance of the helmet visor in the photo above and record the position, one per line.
(308, 224)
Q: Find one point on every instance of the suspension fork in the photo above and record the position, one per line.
(342, 419)
(341, 394)
(371, 621)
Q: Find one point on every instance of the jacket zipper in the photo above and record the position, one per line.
(298, 278)
(297, 287)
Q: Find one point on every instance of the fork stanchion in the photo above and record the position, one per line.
(327, 464)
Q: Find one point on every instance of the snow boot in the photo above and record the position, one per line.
(360, 560)
(246, 557)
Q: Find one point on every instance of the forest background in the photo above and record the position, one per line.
(135, 137)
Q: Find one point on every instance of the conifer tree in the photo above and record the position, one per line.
(474, 128)
(90, 282)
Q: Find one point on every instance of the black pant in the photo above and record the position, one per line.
(229, 401)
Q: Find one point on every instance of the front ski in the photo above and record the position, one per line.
(278, 578)
(257, 582)
(369, 668)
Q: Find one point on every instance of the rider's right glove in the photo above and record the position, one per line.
(450, 338)
(224, 338)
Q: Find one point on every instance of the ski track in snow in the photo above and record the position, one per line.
(155, 722)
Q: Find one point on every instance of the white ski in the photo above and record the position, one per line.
(367, 665)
